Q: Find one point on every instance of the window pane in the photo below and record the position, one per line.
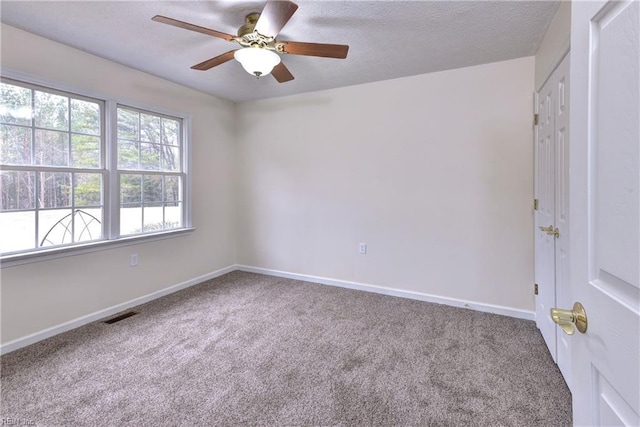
(87, 189)
(85, 151)
(52, 148)
(127, 124)
(153, 218)
(54, 227)
(170, 132)
(131, 189)
(87, 224)
(130, 220)
(171, 188)
(149, 128)
(15, 104)
(55, 190)
(127, 155)
(149, 156)
(152, 188)
(173, 215)
(51, 111)
(15, 145)
(85, 117)
(170, 158)
(18, 189)
(18, 231)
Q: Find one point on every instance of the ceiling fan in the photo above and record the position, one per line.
(259, 45)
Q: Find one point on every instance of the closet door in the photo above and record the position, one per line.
(545, 216)
(561, 188)
(552, 215)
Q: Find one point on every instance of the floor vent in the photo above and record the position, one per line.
(121, 317)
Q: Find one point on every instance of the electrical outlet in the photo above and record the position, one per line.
(134, 260)
(362, 248)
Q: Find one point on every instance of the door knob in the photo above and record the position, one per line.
(551, 231)
(570, 320)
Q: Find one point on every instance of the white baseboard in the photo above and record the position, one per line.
(487, 308)
(72, 324)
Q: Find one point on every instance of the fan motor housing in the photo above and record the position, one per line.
(249, 37)
(249, 24)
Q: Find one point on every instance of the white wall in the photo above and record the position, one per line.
(554, 45)
(433, 172)
(45, 294)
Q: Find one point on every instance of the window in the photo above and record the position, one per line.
(52, 176)
(150, 171)
(64, 183)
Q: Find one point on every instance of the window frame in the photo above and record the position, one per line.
(181, 174)
(110, 174)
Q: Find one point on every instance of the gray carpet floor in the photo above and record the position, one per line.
(247, 349)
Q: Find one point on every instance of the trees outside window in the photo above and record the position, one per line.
(150, 171)
(55, 173)
(51, 147)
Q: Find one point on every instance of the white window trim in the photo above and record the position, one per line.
(111, 238)
(86, 248)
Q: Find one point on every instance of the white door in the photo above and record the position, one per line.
(552, 190)
(605, 210)
(545, 216)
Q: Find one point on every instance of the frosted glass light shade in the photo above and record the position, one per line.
(257, 61)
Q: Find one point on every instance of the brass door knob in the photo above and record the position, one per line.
(570, 320)
(550, 230)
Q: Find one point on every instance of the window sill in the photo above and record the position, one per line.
(61, 252)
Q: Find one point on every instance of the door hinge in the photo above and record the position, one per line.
(535, 204)
(535, 119)
(535, 289)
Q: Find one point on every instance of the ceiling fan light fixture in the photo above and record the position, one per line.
(257, 61)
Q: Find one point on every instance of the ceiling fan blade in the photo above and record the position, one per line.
(210, 63)
(274, 16)
(282, 73)
(316, 49)
(196, 28)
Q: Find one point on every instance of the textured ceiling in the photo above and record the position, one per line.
(387, 39)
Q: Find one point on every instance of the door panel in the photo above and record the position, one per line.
(605, 210)
(612, 408)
